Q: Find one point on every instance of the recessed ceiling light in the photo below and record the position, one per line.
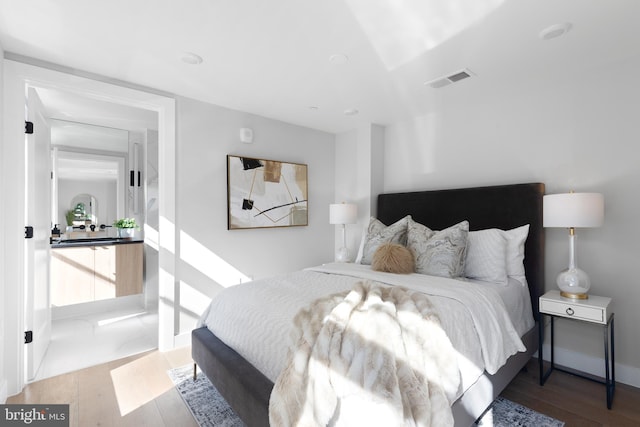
(339, 58)
(351, 112)
(191, 58)
(314, 108)
(554, 31)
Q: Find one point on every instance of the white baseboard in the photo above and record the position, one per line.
(592, 365)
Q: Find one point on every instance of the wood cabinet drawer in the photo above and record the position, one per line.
(90, 273)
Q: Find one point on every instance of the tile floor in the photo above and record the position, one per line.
(92, 339)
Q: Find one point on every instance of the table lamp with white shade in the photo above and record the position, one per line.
(573, 210)
(342, 214)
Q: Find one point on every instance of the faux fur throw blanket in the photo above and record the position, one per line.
(375, 356)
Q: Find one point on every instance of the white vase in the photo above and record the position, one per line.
(125, 233)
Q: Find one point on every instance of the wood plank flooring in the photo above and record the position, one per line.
(131, 392)
(136, 391)
(575, 400)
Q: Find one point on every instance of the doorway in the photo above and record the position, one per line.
(94, 145)
(19, 76)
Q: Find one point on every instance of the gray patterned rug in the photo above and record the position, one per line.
(203, 400)
(210, 410)
(505, 413)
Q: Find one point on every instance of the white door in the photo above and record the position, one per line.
(38, 216)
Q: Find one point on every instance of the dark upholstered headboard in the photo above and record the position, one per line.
(503, 206)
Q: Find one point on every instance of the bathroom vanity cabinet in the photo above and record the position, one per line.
(93, 272)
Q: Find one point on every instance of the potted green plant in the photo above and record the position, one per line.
(126, 226)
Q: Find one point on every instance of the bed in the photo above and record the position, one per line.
(506, 207)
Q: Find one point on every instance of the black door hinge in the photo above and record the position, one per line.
(28, 232)
(28, 127)
(28, 337)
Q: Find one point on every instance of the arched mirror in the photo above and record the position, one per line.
(83, 210)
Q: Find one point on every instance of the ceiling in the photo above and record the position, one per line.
(307, 62)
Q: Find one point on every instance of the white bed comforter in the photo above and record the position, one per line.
(256, 318)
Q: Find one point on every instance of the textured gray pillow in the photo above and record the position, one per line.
(438, 253)
(378, 233)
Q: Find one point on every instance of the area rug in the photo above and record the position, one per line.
(505, 413)
(203, 400)
(210, 410)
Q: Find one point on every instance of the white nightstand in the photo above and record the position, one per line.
(596, 310)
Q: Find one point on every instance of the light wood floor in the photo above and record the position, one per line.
(136, 391)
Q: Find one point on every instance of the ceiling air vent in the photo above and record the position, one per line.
(453, 78)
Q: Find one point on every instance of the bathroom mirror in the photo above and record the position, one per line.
(89, 164)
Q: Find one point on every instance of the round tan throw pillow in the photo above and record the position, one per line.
(393, 258)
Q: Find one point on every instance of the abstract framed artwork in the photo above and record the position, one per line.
(265, 193)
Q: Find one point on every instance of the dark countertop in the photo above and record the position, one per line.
(100, 241)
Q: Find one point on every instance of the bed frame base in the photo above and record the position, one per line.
(245, 388)
(475, 401)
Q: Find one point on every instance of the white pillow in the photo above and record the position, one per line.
(515, 252)
(487, 256)
(486, 267)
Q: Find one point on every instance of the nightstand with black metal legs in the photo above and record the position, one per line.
(595, 310)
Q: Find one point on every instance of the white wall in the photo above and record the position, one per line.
(347, 190)
(577, 132)
(3, 377)
(211, 256)
(152, 219)
(359, 177)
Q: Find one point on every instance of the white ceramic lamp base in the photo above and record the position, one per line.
(573, 283)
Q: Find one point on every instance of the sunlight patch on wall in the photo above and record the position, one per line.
(206, 262)
(400, 31)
